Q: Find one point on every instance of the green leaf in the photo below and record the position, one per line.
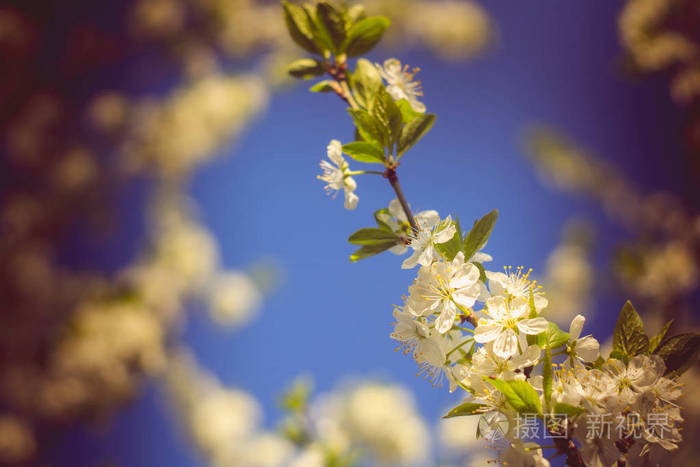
(547, 377)
(323, 86)
(519, 394)
(656, 340)
(299, 27)
(414, 131)
(479, 234)
(370, 250)
(679, 352)
(365, 81)
(384, 109)
(370, 236)
(407, 111)
(555, 337)
(364, 152)
(365, 34)
(305, 68)
(369, 128)
(618, 355)
(466, 408)
(629, 338)
(332, 26)
(454, 245)
(570, 410)
(551, 338)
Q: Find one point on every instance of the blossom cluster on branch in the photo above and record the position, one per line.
(482, 331)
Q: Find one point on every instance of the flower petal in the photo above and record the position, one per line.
(587, 348)
(444, 322)
(532, 326)
(506, 344)
(487, 332)
(576, 327)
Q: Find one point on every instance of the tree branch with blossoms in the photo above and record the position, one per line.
(480, 330)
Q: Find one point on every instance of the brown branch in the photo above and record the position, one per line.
(390, 175)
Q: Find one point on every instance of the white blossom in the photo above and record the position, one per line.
(408, 330)
(431, 231)
(520, 454)
(337, 176)
(505, 324)
(586, 348)
(398, 222)
(441, 287)
(486, 363)
(516, 285)
(639, 375)
(400, 84)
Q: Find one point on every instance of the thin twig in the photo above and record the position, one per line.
(390, 174)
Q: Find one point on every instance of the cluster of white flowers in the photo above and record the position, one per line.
(635, 397)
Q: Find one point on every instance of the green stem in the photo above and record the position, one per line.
(347, 95)
(360, 172)
(460, 345)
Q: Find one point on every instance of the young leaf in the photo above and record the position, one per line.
(365, 81)
(414, 131)
(656, 340)
(370, 236)
(570, 410)
(370, 250)
(364, 152)
(332, 25)
(454, 245)
(369, 128)
(629, 338)
(679, 352)
(555, 337)
(466, 408)
(305, 68)
(547, 377)
(299, 27)
(519, 394)
(384, 109)
(407, 111)
(324, 86)
(479, 234)
(364, 35)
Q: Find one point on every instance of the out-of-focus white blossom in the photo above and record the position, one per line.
(234, 298)
(382, 418)
(337, 177)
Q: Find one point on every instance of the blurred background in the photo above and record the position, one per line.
(175, 287)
